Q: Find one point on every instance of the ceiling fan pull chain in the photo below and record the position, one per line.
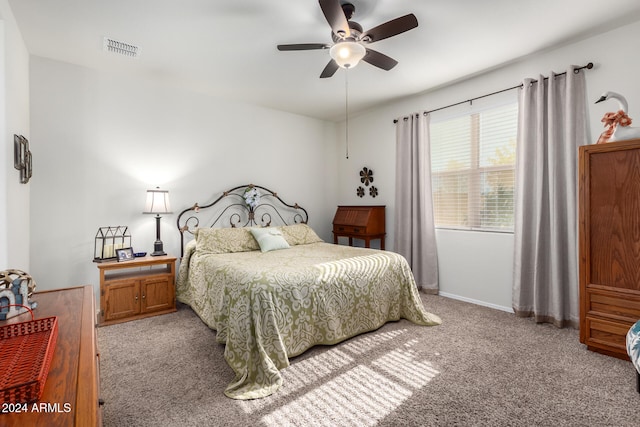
(346, 108)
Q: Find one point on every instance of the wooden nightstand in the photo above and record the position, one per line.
(135, 289)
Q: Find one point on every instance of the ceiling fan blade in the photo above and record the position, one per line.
(330, 69)
(390, 28)
(379, 60)
(335, 17)
(303, 46)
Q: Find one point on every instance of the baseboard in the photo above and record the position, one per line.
(477, 302)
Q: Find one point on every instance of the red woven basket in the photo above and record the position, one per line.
(26, 350)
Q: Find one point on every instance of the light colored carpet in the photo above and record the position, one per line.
(481, 367)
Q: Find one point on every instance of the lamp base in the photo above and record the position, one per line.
(158, 250)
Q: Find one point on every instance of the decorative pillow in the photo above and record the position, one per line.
(633, 345)
(299, 234)
(269, 238)
(225, 240)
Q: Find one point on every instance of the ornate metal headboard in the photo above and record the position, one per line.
(242, 206)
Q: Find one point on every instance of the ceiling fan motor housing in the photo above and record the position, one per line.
(356, 31)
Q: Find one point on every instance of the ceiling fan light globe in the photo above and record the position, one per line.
(347, 54)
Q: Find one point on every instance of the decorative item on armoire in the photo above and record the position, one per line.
(618, 123)
(108, 240)
(373, 191)
(16, 286)
(22, 159)
(157, 203)
(360, 191)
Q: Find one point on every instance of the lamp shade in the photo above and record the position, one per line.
(157, 202)
(347, 54)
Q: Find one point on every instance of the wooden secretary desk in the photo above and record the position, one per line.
(360, 222)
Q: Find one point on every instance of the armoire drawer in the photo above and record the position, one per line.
(607, 335)
(614, 304)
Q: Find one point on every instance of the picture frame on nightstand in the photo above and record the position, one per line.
(124, 254)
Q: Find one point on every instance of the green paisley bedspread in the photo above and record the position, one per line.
(268, 307)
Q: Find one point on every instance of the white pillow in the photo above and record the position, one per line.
(269, 239)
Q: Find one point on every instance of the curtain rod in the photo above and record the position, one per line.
(576, 71)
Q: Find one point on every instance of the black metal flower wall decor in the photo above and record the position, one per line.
(366, 177)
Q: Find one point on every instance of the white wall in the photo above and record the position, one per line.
(479, 266)
(103, 140)
(14, 119)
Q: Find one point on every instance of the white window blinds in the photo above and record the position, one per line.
(473, 169)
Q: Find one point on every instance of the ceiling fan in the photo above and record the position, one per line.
(350, 41)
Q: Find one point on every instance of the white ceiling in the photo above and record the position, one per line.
(228, 48)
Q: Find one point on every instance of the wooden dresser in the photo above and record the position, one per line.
(360, 222)
(609, 237)
(71, 392)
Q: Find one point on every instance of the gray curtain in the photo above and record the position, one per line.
(552, 125)
(415, 237)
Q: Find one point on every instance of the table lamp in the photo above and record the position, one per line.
(157, 203)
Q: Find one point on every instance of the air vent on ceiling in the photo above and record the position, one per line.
(121, 48)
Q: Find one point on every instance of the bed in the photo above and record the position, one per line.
(272, 289)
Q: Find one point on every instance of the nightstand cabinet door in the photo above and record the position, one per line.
(122, 299)
(158, 293)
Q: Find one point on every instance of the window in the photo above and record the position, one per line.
(473, 169)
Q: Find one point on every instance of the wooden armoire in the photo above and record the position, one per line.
(609, 237)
